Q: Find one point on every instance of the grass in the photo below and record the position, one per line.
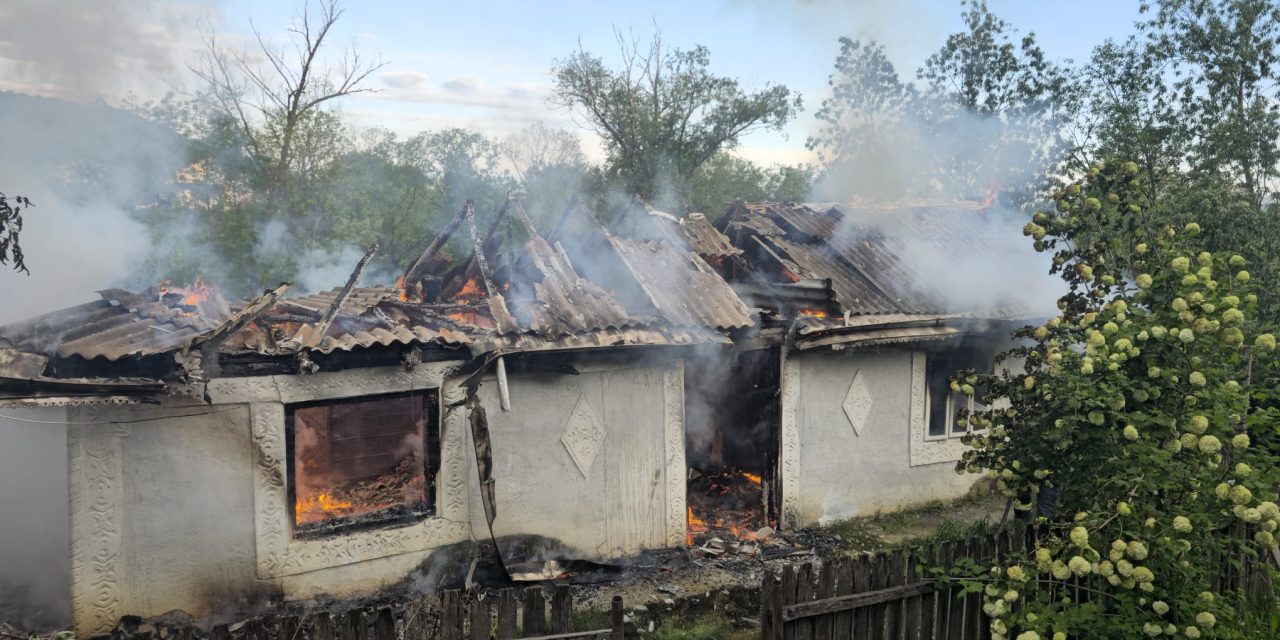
(927, 523)
(708, 626)
(589, 619)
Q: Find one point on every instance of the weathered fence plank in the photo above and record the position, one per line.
(826, 589)
(506, 614)
(384, 624)
(535, 613)
(322, 627)
(843, 620)
(481, 620)
(911, 607)
(804, 593)
(561, 609)
(862, 584)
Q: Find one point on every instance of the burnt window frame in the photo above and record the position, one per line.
(432, 447)
(969, 354)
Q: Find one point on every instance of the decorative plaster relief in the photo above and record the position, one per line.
(96, 480)
(923, 450)
(277, 552)
(673, 443)
(583, 435)
(857, 402)
(790, 452)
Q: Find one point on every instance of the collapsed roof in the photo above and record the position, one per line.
(650, 279)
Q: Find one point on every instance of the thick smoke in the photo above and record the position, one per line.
(925, 150)
(86, 168)
(90, 48)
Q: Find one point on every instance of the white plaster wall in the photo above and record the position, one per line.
(161, 503)
(635, 484)
(183, 507)
(188, 532)
(842, 473)
(35, 579)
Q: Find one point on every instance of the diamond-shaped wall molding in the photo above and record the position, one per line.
(583, 435)
(857, 403)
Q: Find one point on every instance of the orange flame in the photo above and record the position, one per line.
(320, 506)
(696, 525)
(815, 313)
(470, 290)
(404, 295)
(192, 295)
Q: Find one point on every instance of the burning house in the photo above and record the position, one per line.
(600, 392)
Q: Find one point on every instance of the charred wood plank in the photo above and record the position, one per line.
(416, 270)
(384, 625)
(312, 335)
(497, 305)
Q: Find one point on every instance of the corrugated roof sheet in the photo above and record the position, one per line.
(558, 301)
(111, 328)
(684, 288)
(867, 252)
(360, 300)
(697, 233)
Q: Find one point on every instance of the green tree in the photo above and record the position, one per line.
(867, 137)
(990, 113)
(550, 169)
(1192, 97)
(663, 113)
(1005, 105)
(727, 177)
(1223, 57)
(1149, 402)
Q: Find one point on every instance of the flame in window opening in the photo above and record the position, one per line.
(322, 504)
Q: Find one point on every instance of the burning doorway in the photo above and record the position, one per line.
(362, 462)
(732, 435)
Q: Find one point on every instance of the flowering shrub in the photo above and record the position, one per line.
(1148, 402)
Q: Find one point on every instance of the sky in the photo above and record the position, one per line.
(487, 65)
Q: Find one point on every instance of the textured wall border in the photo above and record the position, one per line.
(924, 450)
(673, 441)
(278, 554)
(96, 487)
(789, 453)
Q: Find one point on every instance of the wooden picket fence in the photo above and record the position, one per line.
(891, 596)
(449, 615)
(882, 596)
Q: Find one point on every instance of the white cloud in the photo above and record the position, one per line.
(403, 79)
